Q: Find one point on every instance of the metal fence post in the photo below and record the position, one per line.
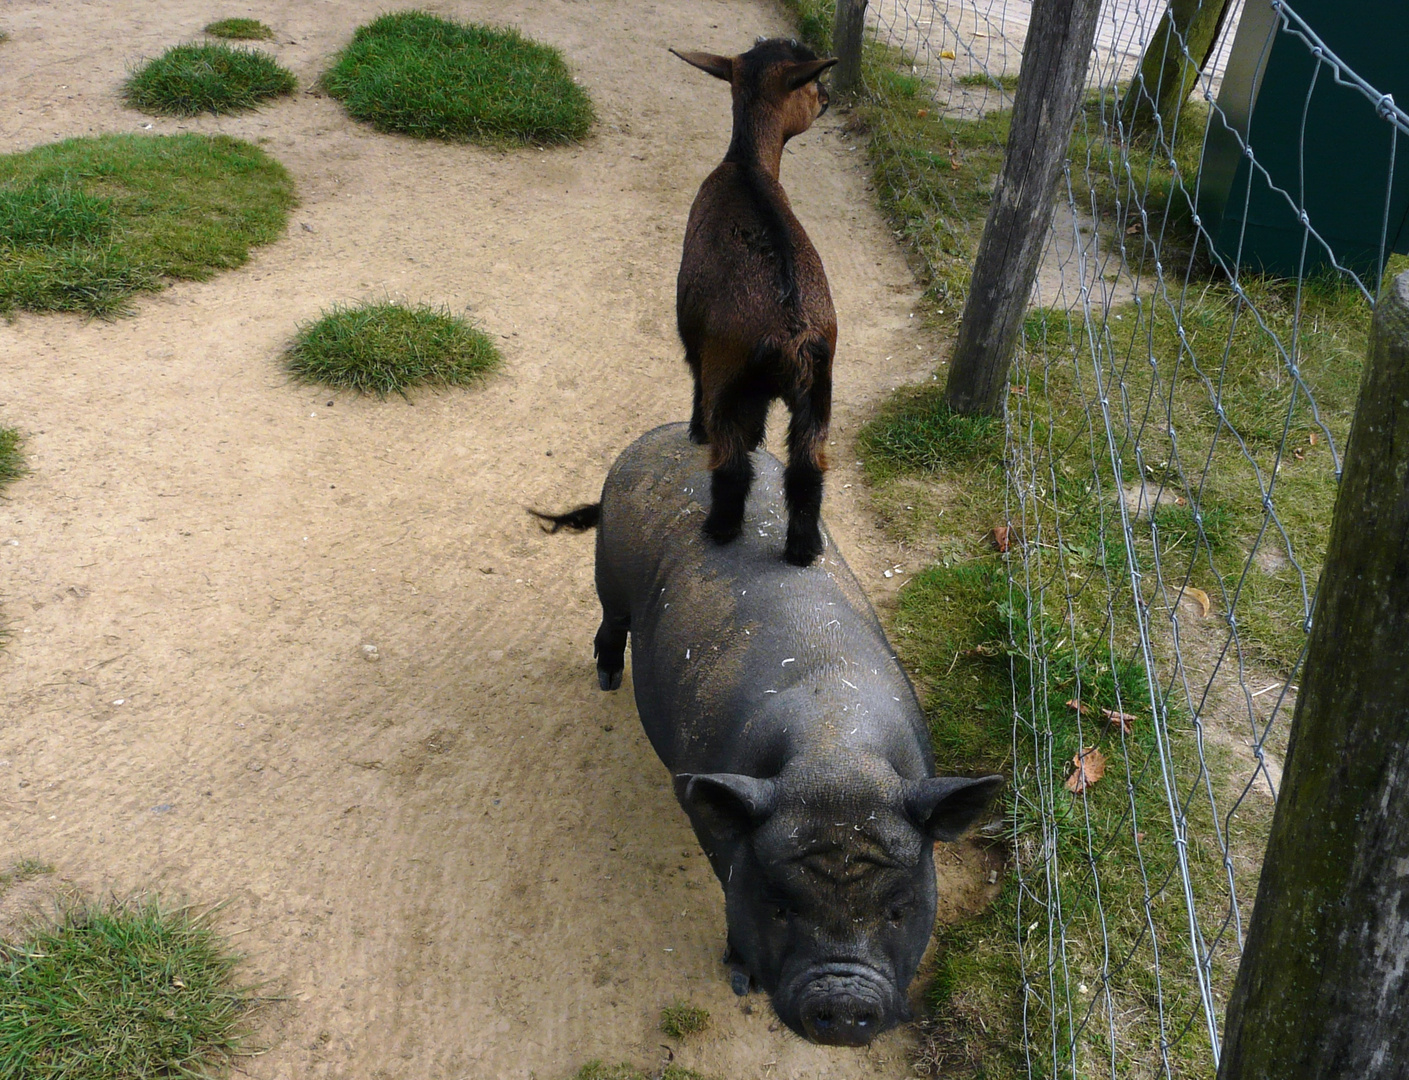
(846, 44)
(1323, 988)
(1051, 84)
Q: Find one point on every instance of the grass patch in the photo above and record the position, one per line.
(385, 348)
(239, 30)
(86, 223)
(1006, 82)
(595, 1070)
(917, 432)
(23, 870)
(131, 990)
(1242, 430)
(49, 215)
(982, 656)
(680, 1018)
(11, 459)
(416, 74)
(190, 79)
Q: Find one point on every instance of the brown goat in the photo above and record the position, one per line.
(752, 303)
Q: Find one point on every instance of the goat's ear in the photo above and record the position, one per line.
(803, 72)
(721, 67)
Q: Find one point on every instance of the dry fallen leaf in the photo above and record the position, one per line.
(1084, 710)
(1090, 767)
(1199, 597)
(1124, 719)
(946, 54)
(1000, 537)
(1312, 438)
(1299, 454)
(922, 113)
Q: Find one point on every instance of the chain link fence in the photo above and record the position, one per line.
(1172, 447)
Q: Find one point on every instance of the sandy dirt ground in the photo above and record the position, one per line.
(460, 859)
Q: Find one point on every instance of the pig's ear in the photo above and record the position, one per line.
(943, 807)
(726, 804)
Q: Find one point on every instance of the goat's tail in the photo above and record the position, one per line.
(806, 358)
(579, 520)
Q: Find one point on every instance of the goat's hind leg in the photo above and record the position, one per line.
(697, 424)
(802, 479)
(737, 423)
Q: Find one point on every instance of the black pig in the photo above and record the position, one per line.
(798, 747)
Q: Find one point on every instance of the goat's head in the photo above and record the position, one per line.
(776, 74)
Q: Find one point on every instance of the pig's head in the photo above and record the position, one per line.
(828, 876)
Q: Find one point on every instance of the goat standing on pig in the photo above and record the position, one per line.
(796, 743)
(752, 303)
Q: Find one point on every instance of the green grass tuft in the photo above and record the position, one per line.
(917, 432)
(190, 79)
(384, 348)
(595, 1070)
(86, 223)
(680, 1018)
(416, 74)
(240, 30)
(11, 460)
(131, 990)
(47, 215)
(23, 870)
(998, 82)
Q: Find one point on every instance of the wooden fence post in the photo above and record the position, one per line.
(847, 32)
(1166, 73)
(1323, 988)
(1051, 84)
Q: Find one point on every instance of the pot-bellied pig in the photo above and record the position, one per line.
(799, 750)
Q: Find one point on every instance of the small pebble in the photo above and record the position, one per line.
(371, 653)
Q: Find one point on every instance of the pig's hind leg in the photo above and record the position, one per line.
(609, 647)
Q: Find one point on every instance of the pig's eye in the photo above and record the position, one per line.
(781, 909)
(897, 909)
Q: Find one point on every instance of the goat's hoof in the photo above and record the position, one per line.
(722, 532)
(801, 551)
(609, 680)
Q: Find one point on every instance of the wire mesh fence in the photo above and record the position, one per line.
(1172, 447)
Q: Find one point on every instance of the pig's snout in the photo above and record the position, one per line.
(844, 1008)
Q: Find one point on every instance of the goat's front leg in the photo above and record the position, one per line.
(802, 479)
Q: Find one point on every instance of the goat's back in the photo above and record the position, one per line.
(748, 272)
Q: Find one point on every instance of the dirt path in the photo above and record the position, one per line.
(461, 860)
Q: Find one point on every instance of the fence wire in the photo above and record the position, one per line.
(1172, 447)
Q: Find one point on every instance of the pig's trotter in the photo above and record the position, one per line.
(609, 647)
(739, 981)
